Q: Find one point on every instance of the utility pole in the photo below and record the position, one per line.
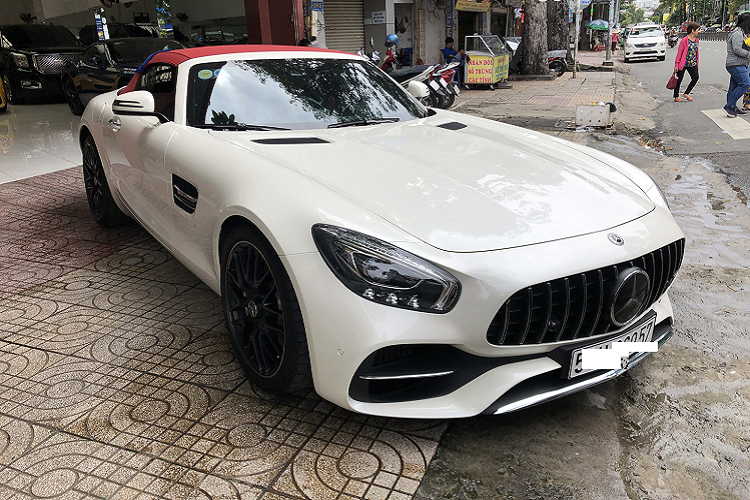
(578, 35)
(608, 59)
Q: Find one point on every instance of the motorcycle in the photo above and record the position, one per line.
(443, 81)
(556, 59)
(673, 39)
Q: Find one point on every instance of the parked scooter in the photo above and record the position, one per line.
(392, 61)
(556, 59)
(421, 73)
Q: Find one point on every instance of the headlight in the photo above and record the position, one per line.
(650, 194)
(385, 274)
(21, 60)
(630, 45)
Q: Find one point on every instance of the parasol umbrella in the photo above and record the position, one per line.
(598, 24)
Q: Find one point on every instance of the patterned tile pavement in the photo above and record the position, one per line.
(117, 379)
(563, 92)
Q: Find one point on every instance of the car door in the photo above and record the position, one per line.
(135, 148)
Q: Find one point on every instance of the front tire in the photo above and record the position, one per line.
(104, 209)
(262, 313)
(9, 97)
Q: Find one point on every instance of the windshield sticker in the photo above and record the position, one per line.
(205, 74)
(216, 73)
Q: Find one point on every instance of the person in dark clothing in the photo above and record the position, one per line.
(450, 55)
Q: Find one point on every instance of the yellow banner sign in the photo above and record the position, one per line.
(487, 69)
(473, 5)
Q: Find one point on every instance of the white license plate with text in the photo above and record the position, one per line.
(641, 333)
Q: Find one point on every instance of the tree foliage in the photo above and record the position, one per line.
(632, 15)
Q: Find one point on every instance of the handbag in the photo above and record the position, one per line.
(672, 83)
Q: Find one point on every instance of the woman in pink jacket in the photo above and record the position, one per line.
(687, 60)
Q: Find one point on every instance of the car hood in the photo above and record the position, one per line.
(487, 186)
(50, 50)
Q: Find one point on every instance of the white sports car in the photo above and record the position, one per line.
(404, 261)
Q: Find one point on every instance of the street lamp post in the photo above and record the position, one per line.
(608, 59)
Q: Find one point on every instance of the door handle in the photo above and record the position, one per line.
(116, 124)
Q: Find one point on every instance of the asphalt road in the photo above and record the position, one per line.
(683, 126)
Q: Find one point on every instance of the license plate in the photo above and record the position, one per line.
(443, 83)
(434, 85)
(641, 333)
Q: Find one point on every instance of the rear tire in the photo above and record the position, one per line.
(450, 99)
(435, 99)
(557, 67)
(72, 97)
(262, 313)
(104, 209)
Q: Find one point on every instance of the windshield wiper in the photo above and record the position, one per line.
(236, 126)
(360, 123)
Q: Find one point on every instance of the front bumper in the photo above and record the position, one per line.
(345, 330)
(646, 53)
(32, 84)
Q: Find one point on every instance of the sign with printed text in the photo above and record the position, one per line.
(316, 6)
(585, 3)
(487, 69)
(473, 5)
(378, 17)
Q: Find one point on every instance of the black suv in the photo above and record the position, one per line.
(32, 57)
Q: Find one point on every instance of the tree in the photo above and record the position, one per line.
(632, 15)
(557, 26)
(534, 61)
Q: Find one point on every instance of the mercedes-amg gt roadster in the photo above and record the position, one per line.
(401, 260)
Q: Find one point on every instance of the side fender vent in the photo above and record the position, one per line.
(453, 126)
(184, 194)
(291, 140)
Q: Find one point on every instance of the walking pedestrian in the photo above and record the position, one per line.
(615, 41)
(687, 60)
(738, 58)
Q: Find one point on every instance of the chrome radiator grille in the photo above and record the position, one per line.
(573, 307)
(51, 64)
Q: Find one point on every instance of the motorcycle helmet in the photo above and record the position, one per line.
(391, 39)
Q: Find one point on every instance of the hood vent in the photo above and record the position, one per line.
(291, 140)
(453, 126)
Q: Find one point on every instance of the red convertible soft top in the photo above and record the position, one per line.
(177, 57)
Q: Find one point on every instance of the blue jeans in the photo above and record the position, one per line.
(739, 83)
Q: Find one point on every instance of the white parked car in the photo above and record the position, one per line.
(404, 261)
(645, 42)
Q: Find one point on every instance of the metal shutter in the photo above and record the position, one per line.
(344, 25)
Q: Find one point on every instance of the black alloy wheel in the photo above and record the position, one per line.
(262, 314)
(104, 209)
(72, 97)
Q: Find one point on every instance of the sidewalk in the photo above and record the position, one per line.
(558, 98)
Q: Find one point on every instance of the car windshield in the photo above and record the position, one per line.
(33, 36)
(295, 94)
(647, 31)
(137, 50)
